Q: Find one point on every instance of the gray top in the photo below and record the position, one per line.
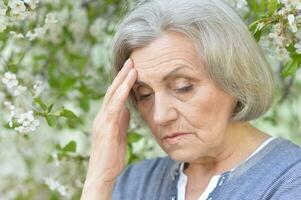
(274, 173)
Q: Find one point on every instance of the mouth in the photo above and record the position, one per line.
(175, 137)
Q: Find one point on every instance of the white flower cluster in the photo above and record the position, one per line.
(298, 47)
(291, 3)
(292, 11)
(19, 11)
(291, 14)
(38, 88)
(57, 186)
(39, 32)
(3, 22)
(98, 27)
(21, 118)
(27, 122)
(13, 112)
(12, 84)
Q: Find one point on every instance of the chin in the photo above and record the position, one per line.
(181, 155)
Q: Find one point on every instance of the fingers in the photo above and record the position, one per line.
(119, 97)
(122, 74)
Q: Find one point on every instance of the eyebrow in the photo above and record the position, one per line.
(166, 76)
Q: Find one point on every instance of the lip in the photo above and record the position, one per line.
(175, 134)
(175, 137)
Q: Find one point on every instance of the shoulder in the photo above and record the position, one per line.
(281, 150)
(286, 163)
(286, 150)
(143, 176)
(281, 157)
(289, 154)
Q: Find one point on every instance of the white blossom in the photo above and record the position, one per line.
(9, 105)
(55, 159)
(16, 35)
(291, 3)
(97, 28)
(3, 9)
(3, 23)
(37, 33)
(17, 6)
(51, 183)
(241, 4)
(292, 22)
(18, 90)
(57, 186)
(298, 47)
(38, 88)
(13, 112)
(10, 80)
(28, 122)
(50, 19)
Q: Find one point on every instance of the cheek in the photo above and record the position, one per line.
(208, 109)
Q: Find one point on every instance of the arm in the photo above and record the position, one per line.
(109, 138)
(98, 191)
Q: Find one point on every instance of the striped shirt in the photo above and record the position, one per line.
(273, 173)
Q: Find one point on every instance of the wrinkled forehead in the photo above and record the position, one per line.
(165, 54)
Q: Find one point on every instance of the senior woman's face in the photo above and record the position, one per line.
(175, 95)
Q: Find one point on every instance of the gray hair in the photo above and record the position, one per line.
(233, 58)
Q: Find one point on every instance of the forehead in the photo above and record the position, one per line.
(165, 54)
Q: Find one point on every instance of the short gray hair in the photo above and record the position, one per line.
(233, 58)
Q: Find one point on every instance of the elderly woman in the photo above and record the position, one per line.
(197, 77)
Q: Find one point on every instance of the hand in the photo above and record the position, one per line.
(109, 140)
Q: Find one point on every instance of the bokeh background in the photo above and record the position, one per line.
(55, 69)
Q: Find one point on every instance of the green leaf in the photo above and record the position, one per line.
(68, 114)
(129, 152)
(50, 108)
(134, 137)
(51, 120)
(84, 104)
(257, 35)
(39, 101)
(290, 68)
(58, 147)
(272, 6)
(262, 6)
(70, 147)
(67, 83)
(253, 4)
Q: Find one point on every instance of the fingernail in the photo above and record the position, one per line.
(127, 62)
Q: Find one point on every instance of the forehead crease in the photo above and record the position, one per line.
(154, 58)
(153, 76)
(166, 65)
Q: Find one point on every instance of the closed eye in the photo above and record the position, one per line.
(181, 90)
(185, 89)
(142, 97)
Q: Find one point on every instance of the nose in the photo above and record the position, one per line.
(164, 112)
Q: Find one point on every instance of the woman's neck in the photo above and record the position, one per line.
(241, 141)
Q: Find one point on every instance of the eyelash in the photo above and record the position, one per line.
(181, 90)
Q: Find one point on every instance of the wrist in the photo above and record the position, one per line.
(97, 191)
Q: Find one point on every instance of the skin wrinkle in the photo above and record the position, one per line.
(216, 144)
(172, 74)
